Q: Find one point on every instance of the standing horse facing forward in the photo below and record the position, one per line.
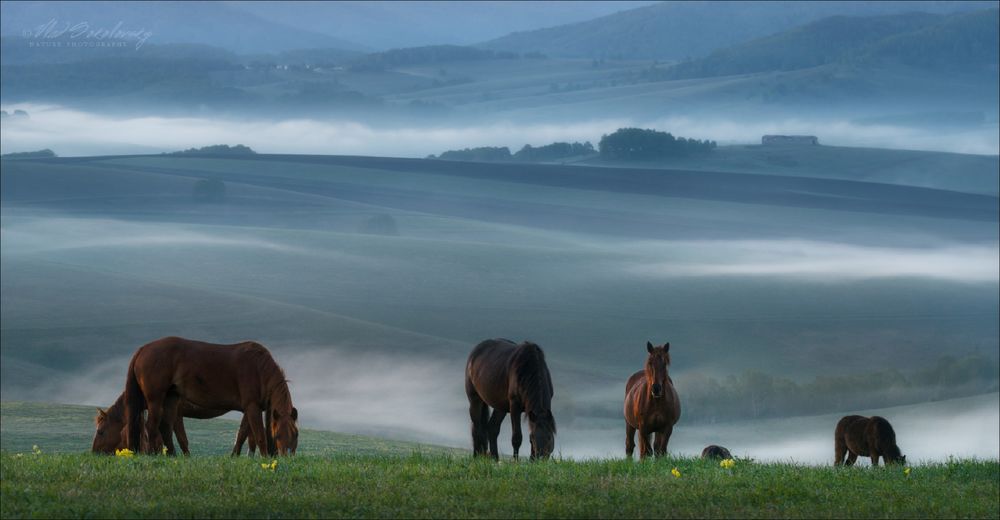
(242, 377)
(509, 378)
(651, 404)
(866, 436)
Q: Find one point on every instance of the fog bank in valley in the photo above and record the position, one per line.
(78, 133)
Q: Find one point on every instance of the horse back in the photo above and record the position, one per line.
(487, 371)
(880, 434)
(852, 430)
(207, 376)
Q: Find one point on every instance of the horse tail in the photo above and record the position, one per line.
(135, 404)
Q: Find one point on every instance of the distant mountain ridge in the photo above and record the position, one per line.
(966, 41)
(679, 30)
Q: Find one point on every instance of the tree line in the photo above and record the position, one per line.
(624, 144)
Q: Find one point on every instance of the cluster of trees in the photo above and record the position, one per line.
(635, 144)
(29, 155)
(554, 151)
(549, 152)
(218, 149)
(479, 154)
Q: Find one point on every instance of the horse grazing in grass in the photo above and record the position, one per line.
(510, 378)
(109, 424)
(242, 377)
(651, 403)
(866, 436)
(715, 452)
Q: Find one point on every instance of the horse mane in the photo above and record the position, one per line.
(116, 411)
(272, 377)
(532, 376)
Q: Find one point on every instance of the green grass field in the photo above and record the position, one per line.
(382, 486)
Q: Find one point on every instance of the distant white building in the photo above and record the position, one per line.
(797, 140)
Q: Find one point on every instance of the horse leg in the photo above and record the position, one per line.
(515, 428)
(181, 433)
(839, 450)
(494, 431)
(643, 443)
(154, 409)
(874, 455)
(241, 436)
(272, 450)
(851, 458)
(479, 414)
(662, 438)
(629, 440)
(171, 413)
(253, 412)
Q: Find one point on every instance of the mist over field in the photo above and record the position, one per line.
(387, 215)
(77, 133)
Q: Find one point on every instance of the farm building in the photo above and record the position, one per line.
(796, 140)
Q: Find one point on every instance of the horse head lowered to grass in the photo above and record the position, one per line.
(110, 424)
(510, 378)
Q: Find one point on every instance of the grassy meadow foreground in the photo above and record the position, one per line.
(347, 484)
(336, 475)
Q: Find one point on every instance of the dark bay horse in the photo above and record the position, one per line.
(866, 436)
(510, 378)
(241, 376)
(713, 451)
(110, 423)
(651, 403)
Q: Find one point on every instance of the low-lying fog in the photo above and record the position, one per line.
(72, 132)
(409, 396)
(418, 400)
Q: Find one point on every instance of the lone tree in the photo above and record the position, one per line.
(635, 144)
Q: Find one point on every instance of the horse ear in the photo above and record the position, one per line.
(649, 347)
(666, 347)
(295, 414)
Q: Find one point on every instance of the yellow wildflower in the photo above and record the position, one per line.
(164, 450)
(906, 472)
(271, 466)
(675, 473)
(727, 463)
(125, 452)
(36, 450)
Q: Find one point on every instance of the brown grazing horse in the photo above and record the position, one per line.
(715, 452)
(866, 436)
(651, 403)
(510, 378)
(242, 377)
(110, 423)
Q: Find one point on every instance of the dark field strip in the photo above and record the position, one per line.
(421, 486)
(779, 190)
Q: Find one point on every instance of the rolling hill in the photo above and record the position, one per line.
(679, 30)
(779, 274)
(940, 44)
